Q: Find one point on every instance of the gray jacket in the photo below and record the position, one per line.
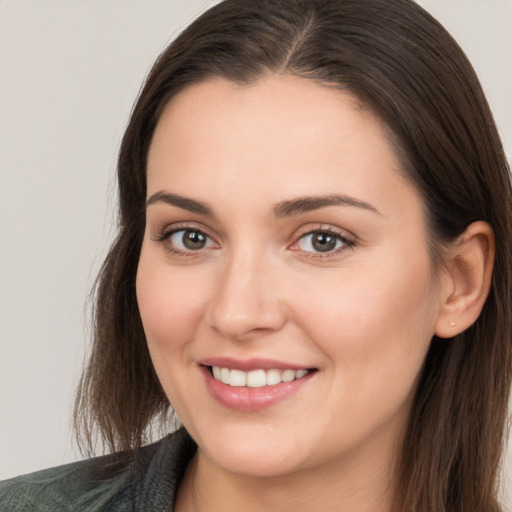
(145, 480)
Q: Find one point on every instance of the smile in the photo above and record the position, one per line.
(256, 378)
(259, 386)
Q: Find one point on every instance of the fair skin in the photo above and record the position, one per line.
(245, 276)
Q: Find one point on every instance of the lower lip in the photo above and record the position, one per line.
(248, 399)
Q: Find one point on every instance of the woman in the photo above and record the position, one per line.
(312, 268)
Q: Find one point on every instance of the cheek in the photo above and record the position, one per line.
(171, 303)
(375, 324)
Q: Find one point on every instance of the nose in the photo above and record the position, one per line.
(247, 303)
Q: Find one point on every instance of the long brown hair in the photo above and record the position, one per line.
(403, 65)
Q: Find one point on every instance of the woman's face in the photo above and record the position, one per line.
(282, 242)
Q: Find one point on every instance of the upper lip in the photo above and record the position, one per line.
(247, 365)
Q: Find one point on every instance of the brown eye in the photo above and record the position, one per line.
(189, 240)
(194, 240)
(322, 242)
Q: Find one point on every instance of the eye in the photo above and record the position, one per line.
(189, 240)
(322, 242)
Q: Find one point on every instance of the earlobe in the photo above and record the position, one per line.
(467, 281)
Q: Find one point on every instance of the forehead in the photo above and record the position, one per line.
(260, 109)
(283, 135)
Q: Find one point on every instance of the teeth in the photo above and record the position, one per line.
(273, 377)
(237, 378)
(224, 375)
(256, 378)
(288, 375)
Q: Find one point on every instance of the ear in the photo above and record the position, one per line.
(467, 280)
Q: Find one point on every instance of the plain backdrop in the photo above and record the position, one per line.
(69, 73)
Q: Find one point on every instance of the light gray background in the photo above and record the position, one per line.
(69, 72)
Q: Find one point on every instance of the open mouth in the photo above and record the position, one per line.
(253, 389)
(256, 378)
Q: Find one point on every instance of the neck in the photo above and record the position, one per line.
(362, 485)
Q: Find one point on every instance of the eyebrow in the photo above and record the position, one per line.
(181, 202)
(309, 203)
(283, 209)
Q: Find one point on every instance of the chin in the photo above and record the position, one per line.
(253, 454)
(263, 465)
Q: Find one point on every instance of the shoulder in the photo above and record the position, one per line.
(83, 485)
(143, 480)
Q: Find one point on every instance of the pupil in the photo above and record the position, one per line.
(324, 242)
(194, 240)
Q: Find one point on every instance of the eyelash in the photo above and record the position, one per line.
(347, 243)
(164, 238)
